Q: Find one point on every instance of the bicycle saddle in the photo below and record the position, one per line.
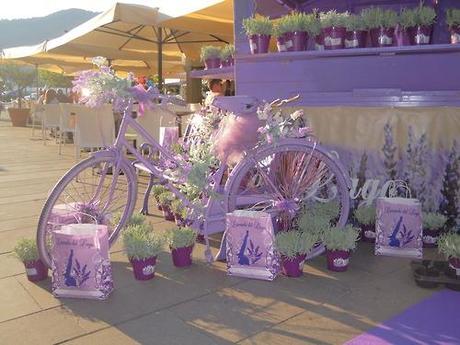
(237, 104)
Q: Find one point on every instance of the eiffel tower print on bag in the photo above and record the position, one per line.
(250, 245)
(399, 224)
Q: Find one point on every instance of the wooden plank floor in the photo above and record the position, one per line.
(197, 305)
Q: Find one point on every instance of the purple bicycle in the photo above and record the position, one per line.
(274, 176)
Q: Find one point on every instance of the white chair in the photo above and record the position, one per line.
(51, 119)
(151, 122)
(36, 111)
(95, 128)
(67, 121)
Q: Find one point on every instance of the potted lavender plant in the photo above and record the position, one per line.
(339, 243)
(282, 30)
(382, 25)
(156, 191)
(165, 200)
(420, 32)
(181, 242)
(179, 211)
(226, 55)
(26, 251)
(449, 245)
(356, 35)
(453, 21)
(406, 21)
(259, 30)
(433, 224)
(365, 216)
(294, 247)
(142, 247)
(210, 55)
(333, 29)
(297, 26)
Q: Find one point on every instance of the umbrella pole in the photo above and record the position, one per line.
(160, 59)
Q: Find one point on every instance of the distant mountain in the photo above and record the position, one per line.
(20, 32)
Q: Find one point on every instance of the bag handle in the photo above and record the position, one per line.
(395, 186)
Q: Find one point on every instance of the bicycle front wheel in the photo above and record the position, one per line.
(93, 191)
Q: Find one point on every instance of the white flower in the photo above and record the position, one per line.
(99, 61)
(264, 113)
(297, 114)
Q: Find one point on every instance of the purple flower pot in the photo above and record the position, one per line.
(160, 208)
(293, 267)
(430, 237)
(319, 42)
(454, 34)
(420, 35)
(333, 37)
(368, 233)
(401, 36)
(259, 44)
(227, 62)
(289, 41)
(182, 257)
(212, 63)
(200, 238)
(143, 269)
(337, 260)
(167, 213)
(179, 220)
(382, 37)
(454, 263)
(36, 270)
(281, 43)
(299, 41)
(355, 39)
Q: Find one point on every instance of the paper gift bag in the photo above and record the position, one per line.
(80, 262)
(250, 245)
(168, 136)
(399, 227)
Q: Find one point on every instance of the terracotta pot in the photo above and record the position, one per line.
(454, 34)
(337, 260)
(182, 257)
(259, 44)
(355, 39)
(293, 267)
(143, 269)
(430, 237)
(420, 35)
(333, 37)
(36, 270)
(382, 37)
(18, 116)
(212, 63)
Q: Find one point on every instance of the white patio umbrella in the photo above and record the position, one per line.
(151, 38)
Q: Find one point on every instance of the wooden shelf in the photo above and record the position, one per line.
(214, 73)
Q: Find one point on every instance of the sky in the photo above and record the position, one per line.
(40, 8)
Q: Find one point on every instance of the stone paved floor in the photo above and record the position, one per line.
(197, 305)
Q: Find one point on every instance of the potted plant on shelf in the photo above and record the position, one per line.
(365, 216)
(333, 29)
(26, 251)
(356, 34)
(165, 200)
(382, 25)
(181, 241)
(282, 30)
(420, 32)
(339, 242)
(453, 21)
(210, 55)
(142, 247)
(406, 21)
(433, 224)
(227, 55)
(259, 30)
(19, 78)
(294, 246)
(449, 245)
(156, 191)
(298, 26)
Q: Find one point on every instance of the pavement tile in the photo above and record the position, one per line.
(14, 300)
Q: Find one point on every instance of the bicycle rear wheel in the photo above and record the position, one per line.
(93, 191)
(289, 175)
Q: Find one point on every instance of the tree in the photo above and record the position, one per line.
(52, 79)
(451, 188)
(17, 77)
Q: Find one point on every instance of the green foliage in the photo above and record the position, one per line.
(365, 215)
(181, 237)
(18, 77)
(375, 17)
(140, 242)
(424, 15)
(166, 198)
(52, 79)
(258, 25)
(293, 243)
(453, 16)
(177, 148)
(324, 210)
(341, 238)
(407, 18)
(296, 21)
(177, 206)
(227, 51)
(315, 225)
(449, 245)
(332, 18)
(158, 189)
(355, 22)
(209, 52)
(433, 220)
(26, 250)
